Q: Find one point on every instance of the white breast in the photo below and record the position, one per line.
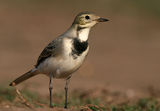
(64, 65)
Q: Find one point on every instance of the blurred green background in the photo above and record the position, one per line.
(124, 52)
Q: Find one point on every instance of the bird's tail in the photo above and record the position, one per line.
(24, 77)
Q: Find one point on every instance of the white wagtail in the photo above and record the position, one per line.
(65, 54)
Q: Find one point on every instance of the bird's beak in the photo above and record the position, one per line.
(102, 20)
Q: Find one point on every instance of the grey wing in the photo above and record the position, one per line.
(50, 50)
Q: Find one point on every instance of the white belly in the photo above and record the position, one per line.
(62, 67)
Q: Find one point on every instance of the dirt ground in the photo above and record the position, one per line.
(124, 53)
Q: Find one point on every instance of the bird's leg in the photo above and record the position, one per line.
(50, 88)
(66, 91)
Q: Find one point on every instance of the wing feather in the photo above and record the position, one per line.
(48, 51)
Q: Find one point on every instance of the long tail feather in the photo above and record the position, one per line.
(24, 77)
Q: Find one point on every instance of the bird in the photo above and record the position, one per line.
(65, 54)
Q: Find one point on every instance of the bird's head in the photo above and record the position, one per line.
(87, 19)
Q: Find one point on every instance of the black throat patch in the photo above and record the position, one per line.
(78, 47)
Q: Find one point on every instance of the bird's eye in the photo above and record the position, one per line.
(87, 17)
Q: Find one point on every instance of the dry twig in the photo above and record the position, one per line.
(23, 100)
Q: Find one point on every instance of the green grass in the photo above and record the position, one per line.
(7, 94)
(80, 103)
(33, 97)
(144, 104)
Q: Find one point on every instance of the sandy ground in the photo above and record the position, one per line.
(124, 53)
